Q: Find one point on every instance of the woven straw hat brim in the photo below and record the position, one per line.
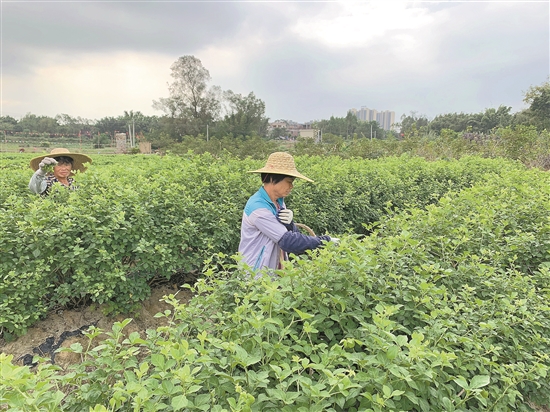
(281, 163)
(293, 173)
(78, 159)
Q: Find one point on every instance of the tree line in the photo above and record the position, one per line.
(194, 108)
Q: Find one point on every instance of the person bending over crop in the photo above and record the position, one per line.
(267, 226)
(57, 167)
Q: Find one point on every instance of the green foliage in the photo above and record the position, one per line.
(359, 193)
(484, 122)
(245, 117)
(137, 219)
(412, 125)
(23, 390)
(517, 142)
(443, 306)
(349, 126)
(240, 147)
(192, 105)
(538, 98)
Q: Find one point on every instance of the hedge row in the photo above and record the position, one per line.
(441, 308)
(139, 218)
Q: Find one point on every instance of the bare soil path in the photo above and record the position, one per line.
(61, 328)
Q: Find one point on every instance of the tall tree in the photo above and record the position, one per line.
(192, 104)
(245, 115)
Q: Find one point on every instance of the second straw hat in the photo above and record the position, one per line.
(281, 163)
(79, 159)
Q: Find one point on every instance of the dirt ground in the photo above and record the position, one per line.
(62, 328)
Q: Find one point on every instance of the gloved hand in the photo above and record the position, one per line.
(335, 240)
(45, 164)
(285, 216)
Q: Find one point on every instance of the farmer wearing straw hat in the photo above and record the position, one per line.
(63, 164)
(267, 226)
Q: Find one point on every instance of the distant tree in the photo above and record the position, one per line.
(140, 123)
(350, 127)
(370, 130)
(538, 99)
(278, 132)
(245, 116)
(111, 124)
(192, 104)
(9, 125)
(351, 124)
(523, 117)
(483, 122)
(337, 126)
(457, 122)
(412, 125)
(493, 119)
(69, 125)
(38, 124)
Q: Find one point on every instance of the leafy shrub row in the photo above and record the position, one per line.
(443, 308)
(523, 143)
(136, 219)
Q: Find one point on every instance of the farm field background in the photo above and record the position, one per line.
(436, 298)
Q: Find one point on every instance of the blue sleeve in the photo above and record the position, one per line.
(291, 226)
(296, 242)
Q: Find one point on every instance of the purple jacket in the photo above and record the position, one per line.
(263, 236)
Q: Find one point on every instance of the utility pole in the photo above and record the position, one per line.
(371, 131)
(207, 132)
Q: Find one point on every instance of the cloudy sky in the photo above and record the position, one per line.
(307, 60)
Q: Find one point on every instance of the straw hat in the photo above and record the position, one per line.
(78, 159)
(281, 163)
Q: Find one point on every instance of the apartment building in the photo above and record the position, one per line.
(385, 119)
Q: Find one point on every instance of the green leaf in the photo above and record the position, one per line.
(303, 315)
(479, 381)
(392, 352)
(460, 381)
(179, 402)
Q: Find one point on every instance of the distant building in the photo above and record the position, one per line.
(385, 119)
(293, 129)
(309, 134)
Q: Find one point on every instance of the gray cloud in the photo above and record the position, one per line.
(305, 60)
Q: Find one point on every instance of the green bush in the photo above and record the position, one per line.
(443, 307)
(138, 219)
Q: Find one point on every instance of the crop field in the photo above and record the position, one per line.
(436, 298)
(37, 147)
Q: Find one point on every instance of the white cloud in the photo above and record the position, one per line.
(94, 85)
(224, 62)
(356, 25)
